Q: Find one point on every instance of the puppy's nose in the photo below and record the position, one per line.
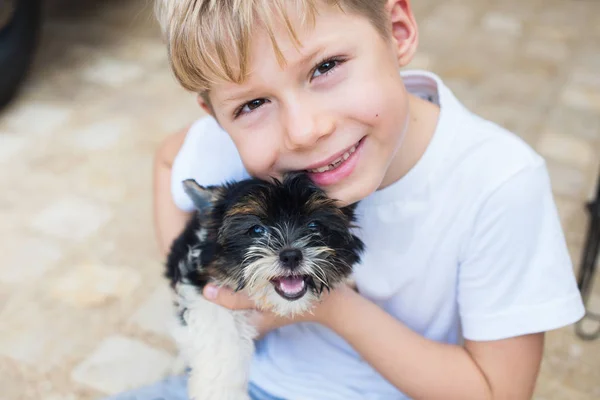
(290, 258)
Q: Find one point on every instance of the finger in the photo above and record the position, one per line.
(228, 298)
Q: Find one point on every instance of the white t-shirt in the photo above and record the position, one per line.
(467, 245)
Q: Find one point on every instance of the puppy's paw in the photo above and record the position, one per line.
(178, 366)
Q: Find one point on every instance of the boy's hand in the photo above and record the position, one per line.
(227, 298)
(265, 320)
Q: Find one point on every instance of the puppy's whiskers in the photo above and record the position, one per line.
(260, 263)
(279, 236)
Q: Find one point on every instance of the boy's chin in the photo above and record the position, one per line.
(354, 189)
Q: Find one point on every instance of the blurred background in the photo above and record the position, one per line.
(82, 300)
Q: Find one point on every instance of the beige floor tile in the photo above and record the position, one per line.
(91, 285)
(25, 257)
(568, 149)
(35, 118)
(72, 218)
(566, 180)
(120, 363)
(39, 334)
(157, 312)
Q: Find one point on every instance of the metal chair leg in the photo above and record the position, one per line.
(587, 269)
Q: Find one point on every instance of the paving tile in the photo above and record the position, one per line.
(73, 218)
(588, 56)
(568, 149)
(522, 10)
(576, 122)
(156, 312)
(35, 118)
(143, 51)
(581, 97)
(39, 335)
(550, 390)
(552, 50)
(566, 180)
(581, 75)
(12, 145)
(567, 209)
(111, 72)
(550, 32)
(421, 60)
(91, 285)
(120, 363)
(24, 257)
(502, 23)
(101, 135)
(99, 180)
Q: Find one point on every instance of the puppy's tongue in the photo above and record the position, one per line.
(291, 284)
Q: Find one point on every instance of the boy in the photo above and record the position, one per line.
(466, 265)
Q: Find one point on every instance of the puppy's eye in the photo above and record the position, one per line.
(257, 231)
(313, 225)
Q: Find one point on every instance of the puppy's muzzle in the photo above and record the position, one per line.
(290, 259)
(292, 284)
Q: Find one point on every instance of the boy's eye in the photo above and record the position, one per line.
(249, 107)
(254, 104)
(325, 67)
(257, 231)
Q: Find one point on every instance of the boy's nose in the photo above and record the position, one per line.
(306, 126)
(290, 258)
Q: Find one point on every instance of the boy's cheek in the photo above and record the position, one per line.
(259, 162)
(374, 104)
(257, 151)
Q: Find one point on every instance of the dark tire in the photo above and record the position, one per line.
(18, 42)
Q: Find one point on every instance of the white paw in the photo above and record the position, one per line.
(178, 366)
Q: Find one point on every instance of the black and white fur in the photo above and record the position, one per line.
(282, 242)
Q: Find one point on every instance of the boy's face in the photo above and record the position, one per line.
(337, 108)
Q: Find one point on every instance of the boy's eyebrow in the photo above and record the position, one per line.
(310, 57)
(235, 97)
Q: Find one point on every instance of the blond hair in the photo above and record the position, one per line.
(209, 40)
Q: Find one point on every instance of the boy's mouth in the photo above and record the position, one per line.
(337, 169)
(335, 163)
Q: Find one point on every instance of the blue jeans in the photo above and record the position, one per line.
(175, 388)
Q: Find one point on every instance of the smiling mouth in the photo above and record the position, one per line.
(291, 287)
(337, 162)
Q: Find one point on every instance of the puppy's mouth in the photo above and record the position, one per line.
(291, 287)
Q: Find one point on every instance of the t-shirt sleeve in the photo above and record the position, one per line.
(516, 276)
(207, 155)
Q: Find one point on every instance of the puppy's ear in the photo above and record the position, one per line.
(350, 211)
(202, 197)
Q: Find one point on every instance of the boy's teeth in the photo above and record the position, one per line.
(335, 163)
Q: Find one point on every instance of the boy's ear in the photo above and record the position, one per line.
(202, 197)
(404, 30)
(204, 105)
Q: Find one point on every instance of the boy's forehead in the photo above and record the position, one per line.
(212, 42)
(313, 40)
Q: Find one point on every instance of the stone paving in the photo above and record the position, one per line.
(82, 303)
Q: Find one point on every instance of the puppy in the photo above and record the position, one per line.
(282, 242)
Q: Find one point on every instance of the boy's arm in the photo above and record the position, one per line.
(169, 220)
(426, 369)
(419, 367)
(515, 281)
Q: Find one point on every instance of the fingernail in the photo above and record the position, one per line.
(210, 292)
